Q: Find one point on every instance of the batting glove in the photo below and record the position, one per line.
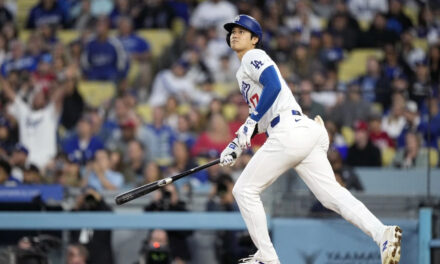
(227, 157)
(245, 132)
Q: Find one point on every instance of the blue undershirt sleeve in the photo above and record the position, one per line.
(271, 88)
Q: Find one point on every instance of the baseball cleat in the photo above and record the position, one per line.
(390, 246)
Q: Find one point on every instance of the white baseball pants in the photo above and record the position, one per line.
(299, 142)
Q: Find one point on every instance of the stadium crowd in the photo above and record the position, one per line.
(388, 115)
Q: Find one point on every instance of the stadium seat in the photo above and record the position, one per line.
(364, 25)
(354, 64)
(229, 111)
(434, 157)
(223, 89)
(348, 134)
(159, 39)
(23, 9)
(145, 112)
(97, 93)
(67, 36)
(387, 156)
(421, 43)
(412, 13)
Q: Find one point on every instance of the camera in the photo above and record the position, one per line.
(35, 253)
(155, 254)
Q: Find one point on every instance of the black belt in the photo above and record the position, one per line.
(276, 120)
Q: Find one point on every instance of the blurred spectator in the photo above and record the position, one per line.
(76, 254)
(345, 34)
(73, 104)
(428, 26)
(371, 80)
(184, 132)
(183, 162)
(412, 121)
(175, 82)
(412, 155)
(5, 14)
(430, 123)
(309, 106)
(70, 174)
(378, 34)
(158, 138)
(138, 50)
(3, 48)
(167, 199)
(351, 109)
(135, 167)
(341, 10)
(18, 161)
(47, 11)
(128, 130)
(122, 8)
(213, 13)
(303, 21)
(331, 53)
(364, 10)
(421, 86)
(302, 63)
(37, 122)
(377, 135)
(98, 174)
(104, 57)
(151, 173)
(171, 113)
(18, 60)
(95, 241)
(10, 32)
(221, 199)
(154, 14)
(337, 141)
(32, 175)
(198, 71)
(83, 145)
(6, 141)
(81, 15)
(363, 153)
(409, 53)
(397, 20)
(5, 174)
(214, 139)
(394, 122)
(345, 175)
(434, 63)
(325, 88)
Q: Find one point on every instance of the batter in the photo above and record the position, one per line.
(293, 140)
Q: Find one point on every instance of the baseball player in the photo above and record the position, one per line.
(293, 140)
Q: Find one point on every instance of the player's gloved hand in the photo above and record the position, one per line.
(230, 154)
(245, 132)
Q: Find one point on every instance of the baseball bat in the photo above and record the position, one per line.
(150, 187)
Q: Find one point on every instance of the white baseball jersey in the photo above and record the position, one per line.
(253, 63)
(295, 141)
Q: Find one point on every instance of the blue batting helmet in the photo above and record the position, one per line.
(246, 22)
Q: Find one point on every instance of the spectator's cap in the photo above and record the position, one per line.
(411, 106)
(316, 33)
(31, 168)
(361, 126)
(400, 75)
(46, 58)
(5, 166)
(129, 123)
(71, 158)
(421, 62)
(86, 118)
(183, 63)
(4, 122)
(21, 148)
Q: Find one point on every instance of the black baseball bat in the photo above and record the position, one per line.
(150, 187)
